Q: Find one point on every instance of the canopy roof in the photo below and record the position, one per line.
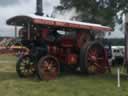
(21, 20)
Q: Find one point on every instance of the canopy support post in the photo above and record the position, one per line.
(28, 33)
(126, 41)
(15, 31)
(126, 45)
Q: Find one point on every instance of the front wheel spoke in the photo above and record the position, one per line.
(22, 63)
(32, 69)
(30, 62)
(22, 70)
(25, 63)
(28, 70)
(21, 67)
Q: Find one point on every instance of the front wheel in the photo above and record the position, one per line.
(48, 68)
(25, 67)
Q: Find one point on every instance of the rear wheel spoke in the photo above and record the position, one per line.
(96, 58)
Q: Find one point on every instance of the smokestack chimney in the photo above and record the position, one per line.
(39, 8)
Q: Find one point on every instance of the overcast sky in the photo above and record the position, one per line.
(9, 8)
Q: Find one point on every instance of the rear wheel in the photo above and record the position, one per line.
(25, 67)
(48, 68)
(92, 58)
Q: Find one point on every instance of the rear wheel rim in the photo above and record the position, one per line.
(96, 59)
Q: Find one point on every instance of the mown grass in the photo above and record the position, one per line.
(64, 85)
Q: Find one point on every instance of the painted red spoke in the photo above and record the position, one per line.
(52, 63)
(94, 52)
(100, 67)
(45, 64)
(100, 58)
(54, 69)
(97, 65)
(91, 53)
(89, 59)
(49, 60)
(53, 72)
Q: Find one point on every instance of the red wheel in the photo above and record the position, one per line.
(93, 58)
(48, 68)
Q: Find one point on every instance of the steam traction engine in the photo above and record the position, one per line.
(58, 45)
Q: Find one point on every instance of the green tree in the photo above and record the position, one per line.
(96, 11)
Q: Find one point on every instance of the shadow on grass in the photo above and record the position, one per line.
(108, 76)
(8, 76)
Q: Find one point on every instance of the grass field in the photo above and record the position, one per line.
(65, 85)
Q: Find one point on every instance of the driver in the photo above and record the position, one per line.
(51, 35)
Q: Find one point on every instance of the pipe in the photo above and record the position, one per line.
(39, 8)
